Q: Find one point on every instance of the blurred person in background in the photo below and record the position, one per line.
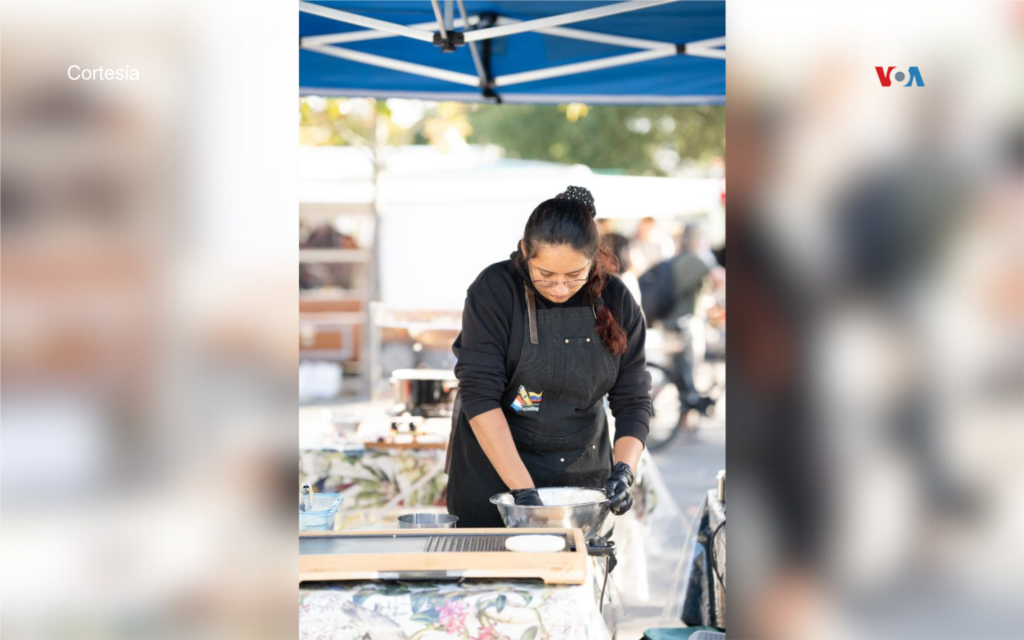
(620, 247)
(777, 484)
(894, 223)
(325, 274)
(876, 346)
(692, 271)
(651, 245)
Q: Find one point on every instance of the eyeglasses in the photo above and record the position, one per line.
(547, 284)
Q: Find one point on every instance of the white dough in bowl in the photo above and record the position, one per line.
(535, 543)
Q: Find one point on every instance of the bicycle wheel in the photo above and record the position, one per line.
(667, 416)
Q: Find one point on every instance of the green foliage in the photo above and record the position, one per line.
(646, 140)
(631, 140)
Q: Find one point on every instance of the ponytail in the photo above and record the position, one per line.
(605, 264)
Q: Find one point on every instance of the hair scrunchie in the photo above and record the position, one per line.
(581, 195)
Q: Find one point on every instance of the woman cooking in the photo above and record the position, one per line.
(545, 336)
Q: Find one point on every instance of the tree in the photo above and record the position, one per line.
(369, 122)
(620, 139)
(632, 140)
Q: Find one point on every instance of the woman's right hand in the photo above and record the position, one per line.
(528, 497)
(492, 431)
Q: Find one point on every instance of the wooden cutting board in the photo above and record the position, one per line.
(427, 554)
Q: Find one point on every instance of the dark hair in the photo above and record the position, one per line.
(568, 219)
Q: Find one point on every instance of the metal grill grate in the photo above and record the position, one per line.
(466, 543)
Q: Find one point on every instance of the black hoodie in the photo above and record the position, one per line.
(491, 322)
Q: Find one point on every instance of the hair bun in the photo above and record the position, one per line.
(580, 194)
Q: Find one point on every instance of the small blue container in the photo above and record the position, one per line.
(321, 518)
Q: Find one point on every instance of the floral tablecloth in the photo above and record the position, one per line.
(469, 610)
(377, 482)
(372, 478)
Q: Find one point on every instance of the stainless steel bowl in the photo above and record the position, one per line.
(564, 507)
(427, 521)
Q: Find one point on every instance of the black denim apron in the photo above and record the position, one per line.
(554, 405)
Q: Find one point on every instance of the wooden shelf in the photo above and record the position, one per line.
(355, 256)
(332, 319)
(334, 295)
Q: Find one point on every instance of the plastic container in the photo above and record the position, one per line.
(321, 518)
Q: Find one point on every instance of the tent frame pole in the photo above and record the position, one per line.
(704, 52)
(583, 67)
(369, 23)
(372, 34)
(562, 19)
(449, 15)
(504, 26)
(620, 41)
(559, 32)
(592, 36)
(447, 38)
(440, 19)
(396, 65)
(378, 29)
(702, 48)
(477, 62)
(708, 43)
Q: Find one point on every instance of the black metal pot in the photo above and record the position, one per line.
(424, 392)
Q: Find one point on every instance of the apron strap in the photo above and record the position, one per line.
(531, 306)
(456, 410)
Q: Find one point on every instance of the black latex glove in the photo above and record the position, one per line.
(528, 497)
(617, 489)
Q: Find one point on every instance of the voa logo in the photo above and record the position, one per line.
(888, 75)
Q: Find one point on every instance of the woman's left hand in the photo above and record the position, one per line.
(617, 488)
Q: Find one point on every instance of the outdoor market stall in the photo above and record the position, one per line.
(664, 52)
(380, 480)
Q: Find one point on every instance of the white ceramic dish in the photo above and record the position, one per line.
(535, 544)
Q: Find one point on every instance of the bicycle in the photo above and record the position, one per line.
(671, 413)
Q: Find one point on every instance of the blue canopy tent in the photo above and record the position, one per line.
(637, 52)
